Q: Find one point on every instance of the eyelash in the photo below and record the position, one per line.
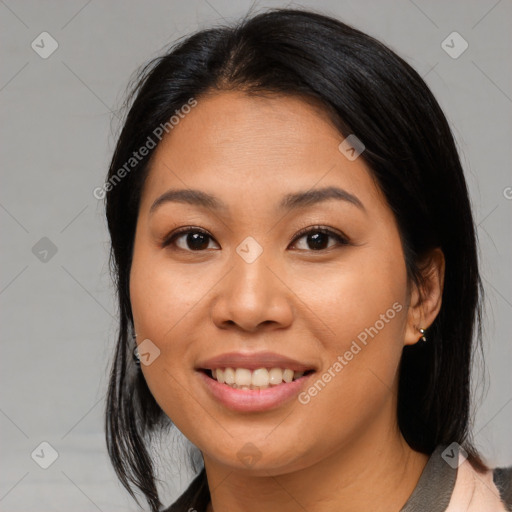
(340, 239)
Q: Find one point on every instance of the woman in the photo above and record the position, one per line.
(296, 262)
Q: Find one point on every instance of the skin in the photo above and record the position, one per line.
(343, 450)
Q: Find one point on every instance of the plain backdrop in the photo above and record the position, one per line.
(59, 119)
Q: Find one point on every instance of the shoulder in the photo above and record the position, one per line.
(502, 478)
(475, 491)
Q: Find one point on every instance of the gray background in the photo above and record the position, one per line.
(58, 312)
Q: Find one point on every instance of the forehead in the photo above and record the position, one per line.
(254, 148)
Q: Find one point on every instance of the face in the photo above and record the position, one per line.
(285, 259)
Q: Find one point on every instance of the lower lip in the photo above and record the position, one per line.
(247, 400)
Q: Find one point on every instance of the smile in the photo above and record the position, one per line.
(252, 382)
(258, 379)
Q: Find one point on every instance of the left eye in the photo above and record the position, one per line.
(317, 239)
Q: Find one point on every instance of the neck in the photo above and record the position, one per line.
(375, 473)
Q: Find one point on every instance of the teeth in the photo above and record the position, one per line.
(276, 376)
(219, 374)
(261, 378)
(288, 375)
(229, 376)
(243, 377)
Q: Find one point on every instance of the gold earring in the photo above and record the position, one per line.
(422, 332)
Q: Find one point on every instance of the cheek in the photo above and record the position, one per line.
(364, 306)
(162, 301)
(362, 296)
(161, 297)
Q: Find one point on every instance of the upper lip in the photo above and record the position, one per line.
(253, 361)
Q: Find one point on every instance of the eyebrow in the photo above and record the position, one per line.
(289, 202)
(317, 195)
(189, 196)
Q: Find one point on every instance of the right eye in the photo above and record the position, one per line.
(190, 239)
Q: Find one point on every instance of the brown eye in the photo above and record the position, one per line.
(196, 241)
(318, 239)
(190, 240)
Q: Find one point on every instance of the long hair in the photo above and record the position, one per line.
(369, 91)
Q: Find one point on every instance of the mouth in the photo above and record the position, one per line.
(254, 380)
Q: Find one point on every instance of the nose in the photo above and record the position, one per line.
(251, 297)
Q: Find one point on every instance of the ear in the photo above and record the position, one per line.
(426, 297)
